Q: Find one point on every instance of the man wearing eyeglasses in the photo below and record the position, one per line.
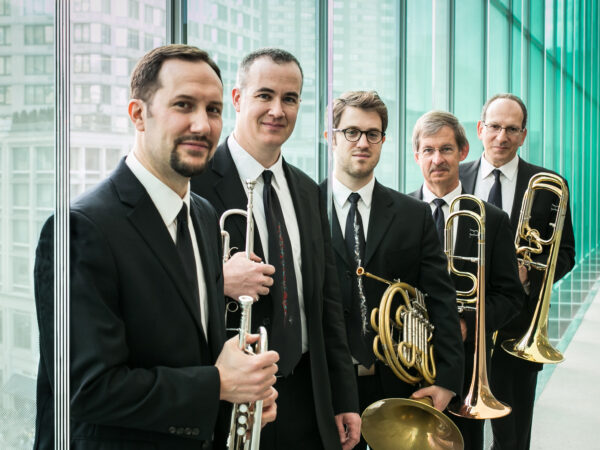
(439, 144)
(392, 236)
(501, 178)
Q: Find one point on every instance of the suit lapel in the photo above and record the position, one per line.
(146, 219)
(523, 175)
(215, 305)
(337, 238)
(468, 175)
(301, 201)
(380, 218)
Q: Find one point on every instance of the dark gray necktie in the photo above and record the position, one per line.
(495, 197)
(186, 254)
(438, 218)
(359, 334)
(286, 331)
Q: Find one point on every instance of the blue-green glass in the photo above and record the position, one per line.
(518, 70)
(516, 6)
(535, 127)
(550, 27)
(368, 60)
(569, 36)
(498, 60)
(468, 69)
(536, 18)
(441, 56)
(419, 98)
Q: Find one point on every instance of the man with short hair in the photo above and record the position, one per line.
(439, 144)
(501, 178)
(149, 362)
(392, 236)
(300, 306)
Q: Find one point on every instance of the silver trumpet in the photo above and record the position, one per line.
(245, 426)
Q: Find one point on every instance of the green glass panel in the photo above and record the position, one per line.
(498, 60)
(535, 127)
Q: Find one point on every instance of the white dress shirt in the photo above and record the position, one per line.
(342, 204)
(168, 203)
(250, 168)
(429, 197)
(508, 180)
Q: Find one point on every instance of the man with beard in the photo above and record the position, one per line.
(501, 177)
(299, 302)
(439, 144)
(392, 236)
(149, 361)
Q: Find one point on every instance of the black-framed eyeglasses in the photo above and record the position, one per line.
(354, 135)
(497, 129)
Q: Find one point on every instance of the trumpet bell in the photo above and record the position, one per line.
(480, 404)
(539, 350)
(396, 423)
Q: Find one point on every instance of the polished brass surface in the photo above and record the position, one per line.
(404, 334)
(397, 423)
(245, 425)
(534, 345)
(479, 402)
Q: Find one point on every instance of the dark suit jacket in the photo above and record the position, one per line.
(504, 295)
(139, 376)
(333, 379)
(402, 244)
(542, 216)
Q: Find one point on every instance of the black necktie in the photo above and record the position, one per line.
(359, 336)
(286, 331)
(186, 253)
(495, 197)
(438, 218)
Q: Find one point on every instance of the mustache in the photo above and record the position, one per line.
(443, 166)
(195, 138)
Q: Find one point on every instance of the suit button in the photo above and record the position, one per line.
(266, 321)
(172, 430)
(188, 431)
(346, 311)
(348, 274)
(206, 445)
(180, 430)
(195, 431)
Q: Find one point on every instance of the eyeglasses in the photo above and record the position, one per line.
(354, 135)
(497, 129)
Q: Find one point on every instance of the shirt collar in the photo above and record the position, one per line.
(250, 168)
(341, 192)
(429, 196)
(166, 200)
(509, 170)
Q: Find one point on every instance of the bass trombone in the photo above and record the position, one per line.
(534, 345)
(479, 402)
(241, 436)
(403, 342)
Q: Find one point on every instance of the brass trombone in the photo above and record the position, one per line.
(534, 345)
(403, 342)
(479, 402)
(244, 415)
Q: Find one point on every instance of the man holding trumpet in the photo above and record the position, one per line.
(439, 144)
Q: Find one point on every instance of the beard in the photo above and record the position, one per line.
(185, 169)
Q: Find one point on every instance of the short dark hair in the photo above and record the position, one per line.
(367, 100)
(277, 55)
(507, 96)
(144, 79)
(431, 122)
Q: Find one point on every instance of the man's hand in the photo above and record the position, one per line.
(348, 425)
(523, 274)
(439, 395)
(243, 276)
(463, 329)
(269, 412)
(246, 378)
